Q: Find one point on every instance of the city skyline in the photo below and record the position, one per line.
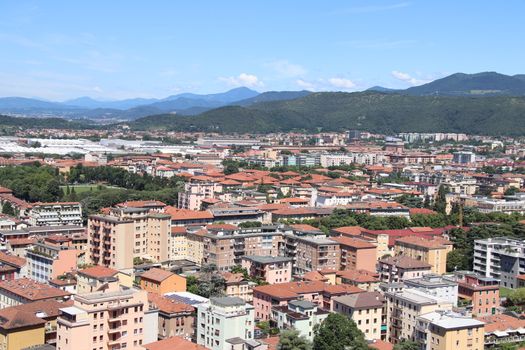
(60, 50)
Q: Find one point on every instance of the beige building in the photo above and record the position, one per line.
(312, 254)
(116, 318)
(432, 251)
(128, 233)
(446, 330)
(366, 310)
(404, 307)
(96, 278)
(195, 252)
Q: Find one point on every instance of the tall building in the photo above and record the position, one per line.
(115, 240)
(48, 261)
(223, 321)
(117, 318)
(55, 214)
(435, 285)
(432, 251)
(447, 330)
(500, 257)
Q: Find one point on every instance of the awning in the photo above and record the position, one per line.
(501, 334)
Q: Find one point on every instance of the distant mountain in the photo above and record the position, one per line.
(273, 96)
(88, 102)
(479, 84)
(22, 103)
(237, 94)
(382, 89)
(8, 122)
(373, 111)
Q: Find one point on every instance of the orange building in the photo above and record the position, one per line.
(356, 254)
(161, 281)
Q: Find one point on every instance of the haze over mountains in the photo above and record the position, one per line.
(458, 103)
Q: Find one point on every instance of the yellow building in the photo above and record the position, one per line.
(20, 329)
(446, 330)
(160, 281)
(432, 251)
(196, 247)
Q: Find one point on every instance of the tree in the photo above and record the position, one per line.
(8, 209)
(511, 191)
(440, 204)
(406, 345)
(290, 340)
(338, 332)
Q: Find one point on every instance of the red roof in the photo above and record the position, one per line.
(356, 243)
(173, 343)
(186, 214)
(98, 272)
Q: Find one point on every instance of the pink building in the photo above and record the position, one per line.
(108, 320)
(317, 292)
(268, 268)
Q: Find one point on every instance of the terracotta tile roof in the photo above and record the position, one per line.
(422, 211)
(294, 200)
(178, 230)
(12, 318)
(405, 262)
(356, 243)
(167, 305)
(156, 275)
(21, 241)
(501, 323)
(304, 227)
(381, 345)
(314, 276)
(32, 290)
(141, 204)
(186, 214)
(272, 206)
(173, 343)
(363, 300)
(293, 290)
(359, 276)
(273, 342)
(221, 227)
(349, 230)
(98, 272)
(232, 277)
(423, 242)
(12, 260)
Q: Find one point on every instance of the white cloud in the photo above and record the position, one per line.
(243, 79)
(287, 69)
(342, 83)
(407, 78)
(303, 84)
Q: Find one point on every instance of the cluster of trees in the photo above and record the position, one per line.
(207, 284)
(336, 332)
(33, 183)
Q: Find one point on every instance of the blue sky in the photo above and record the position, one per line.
(119, 49)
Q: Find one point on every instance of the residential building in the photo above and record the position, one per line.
(19, 329)
(160, 281)
(268, 268)
(55, 214)
(96, 278)
(503, 329)
(48, 261)
(175, 318)
(401, 268)
(194, 192)
(447, 330)
(300, 315)
(464, 157)
(356, 253)
(222, 320)
(25, 290)
(128, 233)
(403, 309)
(432, 251)
(435, 285)
(173, 343)
(364, 279)
(500, 257)
(238, 286)
(366, 310)
(12, 267)
(110, 319)
(482, 292)
(312, 253)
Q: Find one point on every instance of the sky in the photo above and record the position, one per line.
(58, 50)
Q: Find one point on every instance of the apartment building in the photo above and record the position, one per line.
(356, 254)
(312, 253)
(500, 257)
(128, 233)
(482, 292)
(25, 290)
(48, 261)
(225, 248)
(223, 321)
(196, 191)
(12, 267)
(94, 278)
(238, 286)
(435, 285)
(160, 281)
(489, 205)
(394, 269)
(301, 315)
(503, 330)
(366, 310)
(55, 214)
(175, 318)
(268, 268)
(364, 279)
(111, 319)
(447, 330)
(403, 309)
(432, 251)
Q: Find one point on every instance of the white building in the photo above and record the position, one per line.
(502, 258)
(300, 315)
(55, 214)
(435, 285)
(223, 322)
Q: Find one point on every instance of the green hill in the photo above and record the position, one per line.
(372, 111)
